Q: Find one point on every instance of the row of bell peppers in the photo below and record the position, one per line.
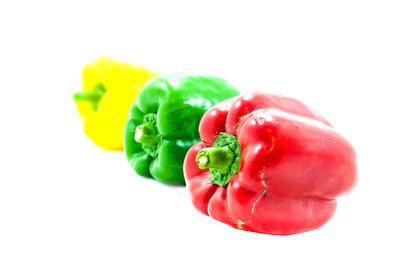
(255, 161)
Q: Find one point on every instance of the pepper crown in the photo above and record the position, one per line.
(223, 159)
(147, 134)
(94, 96)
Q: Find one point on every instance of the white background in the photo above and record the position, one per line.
(64, 201)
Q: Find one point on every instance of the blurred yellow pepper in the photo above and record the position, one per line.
(109, 89)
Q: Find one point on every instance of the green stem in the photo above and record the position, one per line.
(218, 158)
(94, 96)
(146, 134)
(90, 96)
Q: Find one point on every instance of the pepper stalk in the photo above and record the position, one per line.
(223, 159)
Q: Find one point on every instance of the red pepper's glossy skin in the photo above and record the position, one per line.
(293, 165)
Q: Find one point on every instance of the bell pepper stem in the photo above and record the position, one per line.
(146, 134)
(87, 96)
(218, 158)
(94, 96)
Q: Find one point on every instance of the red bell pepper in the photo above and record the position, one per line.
(268, 164)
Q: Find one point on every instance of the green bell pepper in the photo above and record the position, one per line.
(163, 123)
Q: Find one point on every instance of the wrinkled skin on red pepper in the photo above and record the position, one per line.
(291, 166)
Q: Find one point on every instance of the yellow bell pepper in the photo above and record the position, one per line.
(109, 89)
